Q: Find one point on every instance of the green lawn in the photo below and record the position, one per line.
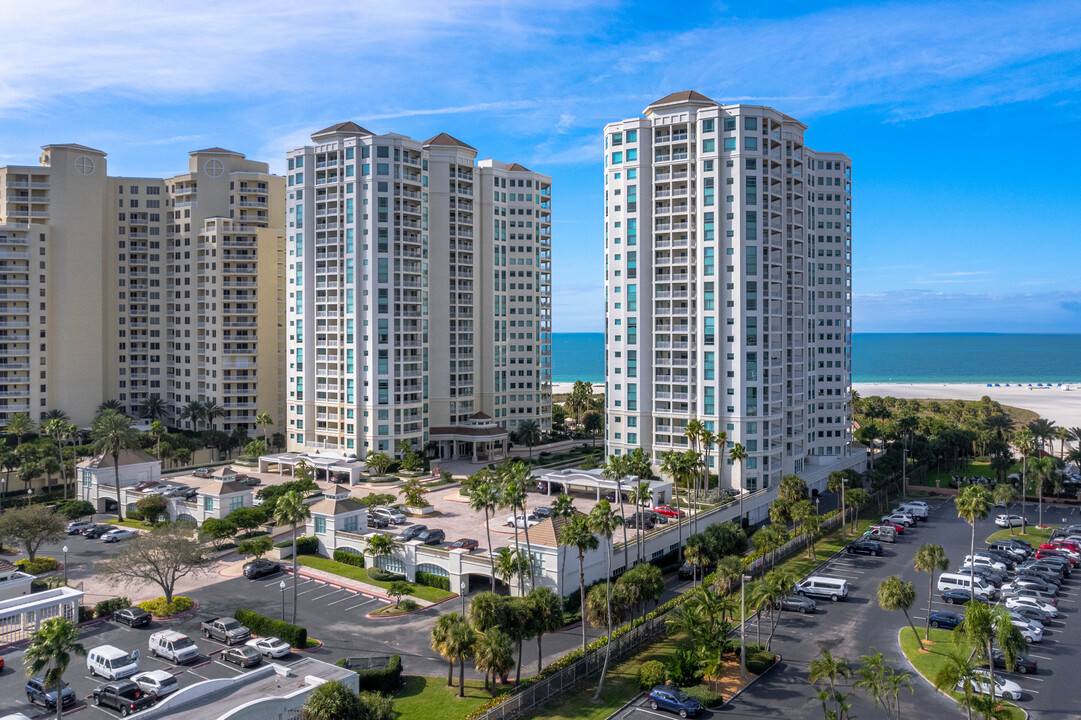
(928, 664)
(352, 572)
(1034, 536)
(428, 698)
(136, 524)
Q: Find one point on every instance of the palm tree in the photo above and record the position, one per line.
(493, 653)
(460, 641)
(958, 670)
(508, 564)
(381, 546)
(212, 411)
(973, 502)
(439, 642)
(153, 408)
(511, 496)
(928, 558)
(55, 429)
(290, 509)
(266, 421)
(895, 594)
(1046, 470)
(528, 434)
(1005, 493)
(729, 568)
(563, 506)
(111, 433)
(114, 405)
(827, 668)
(157, 433)
(50, 649)
(56, 414)
(739, 454)
(20, 425)
(693, 431)
(546, 610)
(672, 463)
(697, 553)
(1026, 445)
(578, 534)
(640, 495)
(1042, 430)
(483, 495)
(522, 478)
(882, 682)
(985, 627)
(708, 439)
(603, 521)
(774, 587)
(615, 470)
(193, 412)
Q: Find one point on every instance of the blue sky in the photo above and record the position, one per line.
(962, 119)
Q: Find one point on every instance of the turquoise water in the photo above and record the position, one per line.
(900, 357)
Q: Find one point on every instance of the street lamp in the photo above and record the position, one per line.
(844, 517)
(29, 496)
(904, 471)
(281, 586)
(3, 492)
(817, 499)
(65, 564)
(743, 626)
(462, 586)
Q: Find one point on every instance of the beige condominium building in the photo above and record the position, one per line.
(728, 287)
(419, 296)
(116, 288)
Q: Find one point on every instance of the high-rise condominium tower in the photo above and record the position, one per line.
(115, 288)
(419, 293)
(728, 287)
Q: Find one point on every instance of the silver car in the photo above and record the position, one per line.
(390, 514)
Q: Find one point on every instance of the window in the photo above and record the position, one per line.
(709, 145)
(707, 125)
(750, 143)
(208, 504)
(617, 157)
(632, 136)
(320, 524)
(730, 143)
(729, 124)
(750, 123)
(350, 524)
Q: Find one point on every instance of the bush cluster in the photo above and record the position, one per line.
(408, 605)
(349, 558)
(382, 575)
(306, 544)
(651, 673)
(435, 581)
(387, 681)
(295, 635)
(704, 695)
(759, 659)
(38, 565)
(105, 608)
(86, 613)
(159, 608)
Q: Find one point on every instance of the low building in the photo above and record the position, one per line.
(325, 465)
(337, 520)
(220, 497)
(97, 476)
(13, 582)
(269, 692)
(21, 616)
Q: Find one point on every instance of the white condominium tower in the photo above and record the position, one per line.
(419, 296)
(116, 288)
(728, 287)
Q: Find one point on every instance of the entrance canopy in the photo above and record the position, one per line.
(592, 481)
(326, 466)
(479, 438)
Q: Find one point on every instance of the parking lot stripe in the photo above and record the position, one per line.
(366, 602)
(344, 599)
(320, 597)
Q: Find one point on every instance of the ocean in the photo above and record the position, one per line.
(894, 357)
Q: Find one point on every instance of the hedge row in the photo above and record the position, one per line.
(306, 544)
(159, 608)
(387, 681)
(435, 581)
(349, 558)
(295, 635)
(106, 608)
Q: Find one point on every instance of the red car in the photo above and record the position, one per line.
(669, 512)
(1068, 544)
(143, 486)
(899, 528)
(464, 544)
(1049, 552)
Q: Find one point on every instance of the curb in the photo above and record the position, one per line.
(752, 682)
(626, 705)
(370, 616)
(337, 583)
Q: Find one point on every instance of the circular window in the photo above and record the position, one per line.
(84, 165)
(214, 167)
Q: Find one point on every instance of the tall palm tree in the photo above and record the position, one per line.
(958, 670)
(546, 609)
(1026, 445)
(1005, 494)
(192, 412)
(511, 496)
(493, 653)
(825, 667)
(508, 564)
(1043, 430)
(640, 495)
(604, 521)
(112, 432)
(20, 425)
(673, 464)
(381, 546)
(484, 496)
(576, 533)
(563, 506)
(460, 641)
(438, 641)
(1062, 435)
(51, 648)
(57, 414)
(985, 627)
(896, 594)
(708, 440)
(290, 509)
(522, 478)
(212, 411)
(973, 503)
(737, 455)
(55, 429)
(153, 408)
(266, 421)
(528, 434)
(114, 405)
(928, 558)
(614, 470)
(157, 433)
(693, 432)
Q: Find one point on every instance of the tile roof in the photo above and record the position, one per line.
(222, 487)
(6, 566)
(546, 532)
(328, 506)
(681, 97)
(519, 168)
(73, 146)
(124, 457)
(469, 431)
(447, 140)
(346, 128)
(480, 416)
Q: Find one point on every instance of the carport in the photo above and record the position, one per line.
(328, 465)
(592, 480)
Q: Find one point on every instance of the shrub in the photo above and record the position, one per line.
(159, 608)
(133, 515)
(683, 668)
(383, 575)
(295, 635)
(408, 604)
(105, 608)
(38, 565)
(704, 695)
(759, 659)
(651, 673)
(387, 680)
(349, 558)
(37, 586)
(436, 581)
(307, 545)
(86, 613)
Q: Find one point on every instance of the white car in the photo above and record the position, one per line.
(390, 514)
(158, 683)
(521, 521)
(899, 519)
(1021, 600)
(1005, 689)
(270, 647)
(986, 562)
(1021, 618)
(1006, 521)
(1029, 632)
(117, 535)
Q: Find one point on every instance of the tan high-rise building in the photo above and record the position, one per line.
(115, 288)
(419, 296)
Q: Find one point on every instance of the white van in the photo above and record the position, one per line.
(963, 581)
(112, 663)
(175, 646)
(916, 509)
(818, 586)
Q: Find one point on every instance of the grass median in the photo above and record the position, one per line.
(1034, 536)
(431, 699)
(351, 572)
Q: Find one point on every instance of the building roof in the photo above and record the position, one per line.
(223, 472)
(447, 141)
(124, 457)
(681, 98)
(546, 532)
(72, 146)
(222, 487)
(519, 168)
(480, 416)
(6, 566)
(331, 506)
(215, 151)
(343, 128)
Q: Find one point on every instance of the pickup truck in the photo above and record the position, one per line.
(226, 630)
(123, 695)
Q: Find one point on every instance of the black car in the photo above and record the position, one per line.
(542, 512)
(1031, 613)
(641, 521)
(260, 568)
(95, 532)
(957, 596)
(865, 547)
(1024, 664)
(377, 521)
(1005, 558)
(248, 480)
(132, 617)
(123, 695)
(802, 605)
(658, 519)
(945, 619)
(556, 489)
(38, 694)
(242, 655)
(412, 532)
(432, 537)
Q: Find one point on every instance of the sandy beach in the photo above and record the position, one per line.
(1055, 403)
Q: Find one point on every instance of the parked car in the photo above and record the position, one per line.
(74, 528)
(270, 647)
(96, 531)
(542, 511)
(1066, 543)
(1003, 557)
(897, 527)
(957, 596)
(1044, 575)
(146, 485)
(1029, 582)
(1031, 614)
(432, 537)
(521, 521)
(900, 519)
(123, 695)
(1016, 601)
(390, 514)
(642, 520)
(226, 630)
(542, 486)
(202, 473)
(248, 480)
(112, 663)
(118, 534)
(1052, 552)
(173, 646)
(802, 605)
(1023, 664)
(156, 683)
(38, 694)
(242, 655)
(1005, 689)
(132, 617)
(464, 544)
(667, 697)
(945, 619)
(982, 571)
(1006, 521)
(864, 547)
(411, 532)
(1029, 631)
(658, 519)
(260, 567)
(986, 560)
(377, 521)
(668, 511)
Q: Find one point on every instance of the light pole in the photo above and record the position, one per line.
(743, 626)
(3, 492)
(904, 471)
(844, 519)
(462, 586)
(29, 496)
(817, 500)
(281, 586)
(65, 564)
